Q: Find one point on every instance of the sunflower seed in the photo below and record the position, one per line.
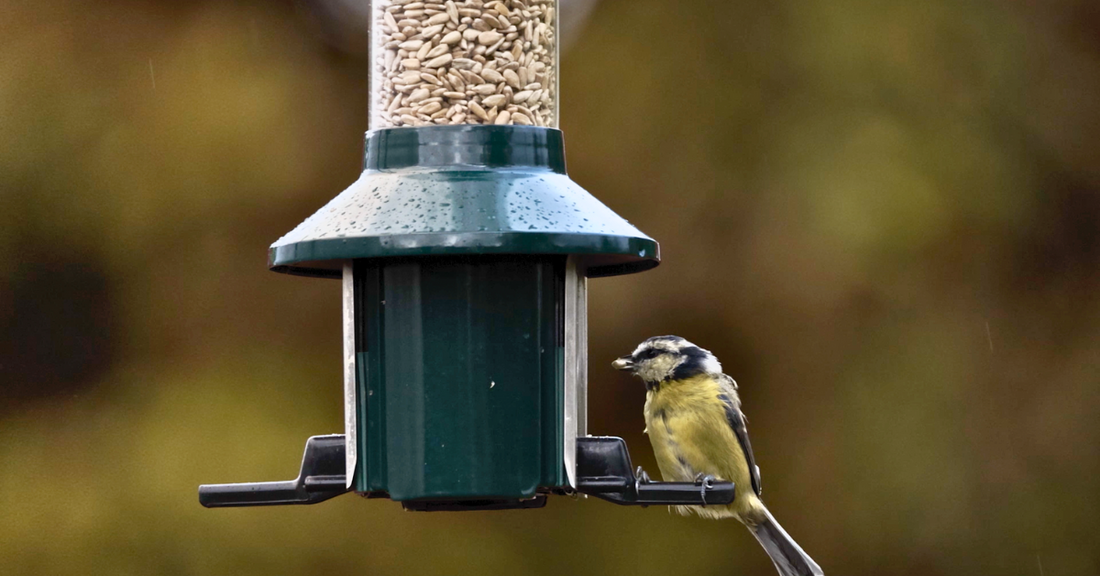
(479, 111)
(495, 100)
(511, 78)
(463, 63)
(492, 75)
(438, 51)
(439, 61)
(431, 31)
(430, 108)
(437, 19)
(488, 38)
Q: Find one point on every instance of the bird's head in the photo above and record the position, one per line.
(665, 358)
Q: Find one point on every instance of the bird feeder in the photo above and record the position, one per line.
(464, 251)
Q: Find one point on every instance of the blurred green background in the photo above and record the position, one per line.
(881, 215)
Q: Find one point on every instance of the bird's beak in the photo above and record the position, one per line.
(624, 363)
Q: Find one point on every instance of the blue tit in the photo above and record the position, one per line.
(694, 421)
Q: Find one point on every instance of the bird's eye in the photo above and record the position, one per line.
(649, 354)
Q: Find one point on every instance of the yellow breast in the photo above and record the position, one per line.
(686, 423)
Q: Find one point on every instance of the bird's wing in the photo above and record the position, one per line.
(736, 421)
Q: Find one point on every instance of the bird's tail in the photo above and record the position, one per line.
(785, 553)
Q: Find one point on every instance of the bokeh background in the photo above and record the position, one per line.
(881, 215)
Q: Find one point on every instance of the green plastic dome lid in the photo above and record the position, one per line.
(464, 190)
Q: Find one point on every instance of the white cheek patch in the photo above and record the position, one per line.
(664, 364)
(656, 369)
(712, 365)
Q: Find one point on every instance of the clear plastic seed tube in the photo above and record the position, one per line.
(464, 62)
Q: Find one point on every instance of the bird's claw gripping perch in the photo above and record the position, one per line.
(705, 482)
(640, 477)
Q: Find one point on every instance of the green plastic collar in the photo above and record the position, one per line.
(464, 190)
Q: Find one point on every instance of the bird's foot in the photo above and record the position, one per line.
(640, 477)
(705, 482)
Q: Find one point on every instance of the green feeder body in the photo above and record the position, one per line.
(464, 254)
(460, 247)
(459, 383)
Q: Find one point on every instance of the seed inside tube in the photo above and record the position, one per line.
(495, 100)
(439, 61)
(488, 38)
(437, 19)
(431, 31)
(463, 62)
